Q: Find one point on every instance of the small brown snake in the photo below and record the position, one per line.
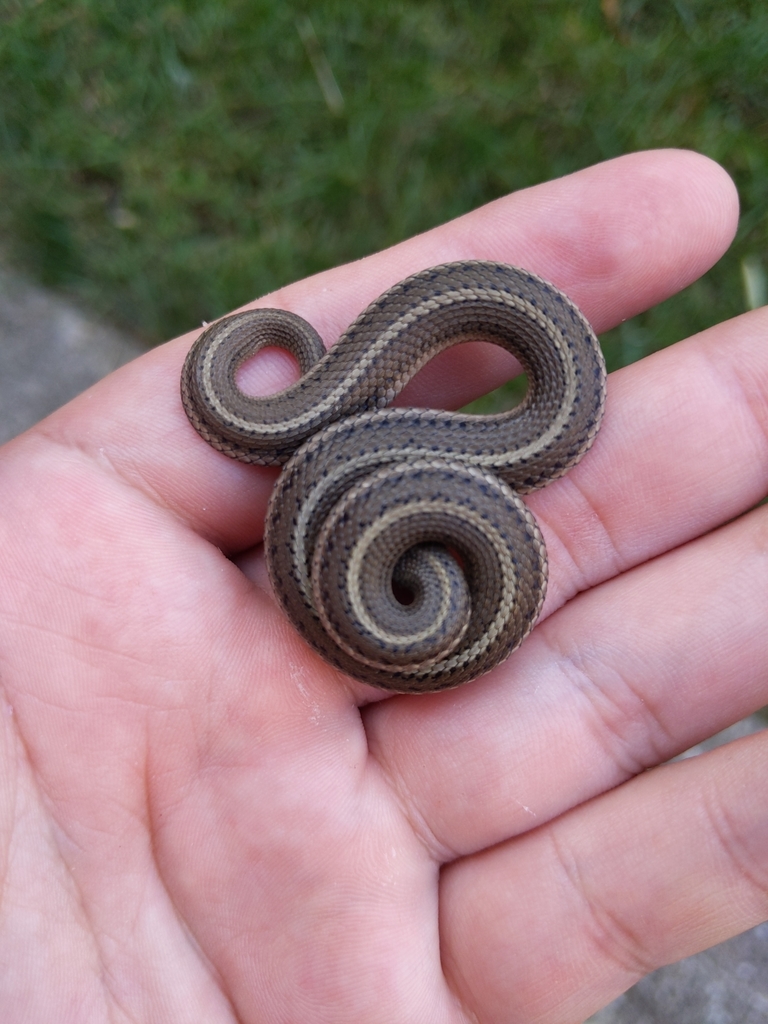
(396, 540)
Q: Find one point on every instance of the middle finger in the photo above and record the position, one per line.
(684, 448)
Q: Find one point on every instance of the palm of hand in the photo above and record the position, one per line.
(199, 820)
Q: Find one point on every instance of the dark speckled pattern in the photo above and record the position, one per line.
(369, 485)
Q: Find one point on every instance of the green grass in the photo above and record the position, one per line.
(164, 162)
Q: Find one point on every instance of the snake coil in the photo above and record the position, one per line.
(396, 539)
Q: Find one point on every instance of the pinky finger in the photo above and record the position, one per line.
(550, 927)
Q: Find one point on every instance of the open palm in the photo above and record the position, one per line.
(201, 821)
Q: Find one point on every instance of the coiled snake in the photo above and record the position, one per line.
(396, 540)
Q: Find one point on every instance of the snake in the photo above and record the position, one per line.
(396, 540)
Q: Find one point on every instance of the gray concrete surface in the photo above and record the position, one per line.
(50, 351)
(725, 985)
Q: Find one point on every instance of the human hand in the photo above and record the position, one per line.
(201, 821)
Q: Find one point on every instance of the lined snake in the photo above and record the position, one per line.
(396, 539)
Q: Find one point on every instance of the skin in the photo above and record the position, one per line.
(201, 821)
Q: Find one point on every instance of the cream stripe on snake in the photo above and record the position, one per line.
(396, 540)
(354, 574)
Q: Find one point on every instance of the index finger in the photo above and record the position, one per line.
(616, 238)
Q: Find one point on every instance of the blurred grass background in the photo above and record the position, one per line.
(165, 162)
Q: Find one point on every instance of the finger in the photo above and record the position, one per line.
(553, 926)
(623, 677)
(684, 448)
(617, 237)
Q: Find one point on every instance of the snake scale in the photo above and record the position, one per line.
(396, 539)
